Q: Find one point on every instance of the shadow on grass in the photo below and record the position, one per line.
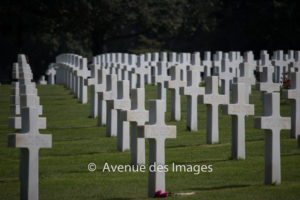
(197, 145)
(119, 198)
(220, 187)
(90, 153)
(72, 140)
(290, 154)
(73, 127)
(255, 140)
(201, 161)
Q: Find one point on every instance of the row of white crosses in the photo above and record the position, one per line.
(122, 110)
(136, 69)
(271, 121)
(112, 92)
(29, 140)
(246, 78)
(72, 72)
(282, 63)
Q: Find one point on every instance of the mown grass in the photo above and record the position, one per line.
(77, 141)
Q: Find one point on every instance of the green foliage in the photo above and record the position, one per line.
(43, 29)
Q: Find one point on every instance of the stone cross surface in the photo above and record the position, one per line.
(51, 72)
(157, 132)
(122, 103)
(213, 99)
(266, 83)
(294, 94)
(111, 114)
(238, 108)
(273, 123)
(101, 87)
(93, 82)
(192, 91)
(137, 116)
(207, 64)
(226, 76)
(174, 84)
(246, 77)
(161, 77)
(42, 80)
(30, 141)
(15, 99)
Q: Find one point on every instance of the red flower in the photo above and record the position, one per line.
(158, 194)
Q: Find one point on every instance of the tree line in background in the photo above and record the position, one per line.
(42, 29)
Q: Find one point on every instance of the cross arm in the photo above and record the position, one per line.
(289, 94)
(28, 140)
(271, 123)
(155, 131)
(16, 123)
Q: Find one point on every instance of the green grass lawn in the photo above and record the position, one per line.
(78, 141)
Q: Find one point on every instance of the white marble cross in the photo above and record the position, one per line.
(93, 83)
(122, 103)
(264, 58)
(266, 83)
(157, 132)
(226, 76)
(238, 108)
(28, 98)
(83, 98)
(111, 114)
(30, 141)
(280, 65)
(15, 71)
(207, 64)
(272, 123)
(213, 99)
(137, 116)
(51, 72)
(101, 87)
(161, 77)
(42, 80)
(174, 84)
(15, 99)
(217, 59)
(192, 91)
(141, 72)
(247, 77)
(294, 94)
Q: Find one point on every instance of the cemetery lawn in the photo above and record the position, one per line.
(78, 141)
